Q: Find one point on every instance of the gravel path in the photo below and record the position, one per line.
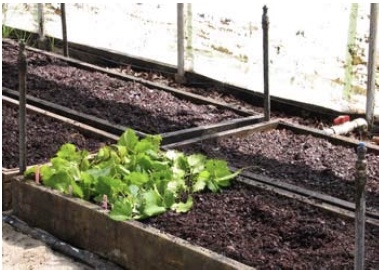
(22, 252)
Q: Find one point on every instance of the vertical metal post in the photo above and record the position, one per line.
(360, 207)
(371, 66)
(179, 77)
(267, 103)
(22, 66)
(64, 29)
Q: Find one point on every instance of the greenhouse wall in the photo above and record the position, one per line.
(318, 51)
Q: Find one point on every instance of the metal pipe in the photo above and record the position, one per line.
(360, 206)
(180, 43)
(371, 66)
(22, 66)
(267, 103)
(64, 29)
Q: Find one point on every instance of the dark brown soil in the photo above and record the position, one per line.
(127, 103)
(44, 137)
(303, 160)
(220, 93)
(268, 231)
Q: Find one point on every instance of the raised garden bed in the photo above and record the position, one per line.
(294, 155)
(126, 103)
(46, 132)
(131, 244)
(257, 228)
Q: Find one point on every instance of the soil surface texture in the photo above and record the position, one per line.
(302, 160)
(220, 93)
(126, 103)
(269, 231)
(45, 135)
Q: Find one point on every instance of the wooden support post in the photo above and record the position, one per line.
(179, 77)
(43, 42)
(41, 27)
(267, 103)
(371, 66)
(22, 66)
(64, 30)
(360, 207)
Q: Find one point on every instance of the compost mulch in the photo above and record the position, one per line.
(299, 159)
(44, 137)
(126, 103)
(268, 231)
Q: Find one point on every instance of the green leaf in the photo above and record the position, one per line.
(175, 186)
(153, 210)
(225, 180)
(103, 154)
(108, 186)
(121, 210)
(151, 197)
(173, 154)
(183, 207)
(168, 199)
(133, 190)
(46, 173)
(138, 178)
(67, 151)
(212, 186)
(76, 190)
(30, 172)
(196, 162)
(199, 186)
(128, 139)
(144, 146)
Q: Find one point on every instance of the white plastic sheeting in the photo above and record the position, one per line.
(308, 42)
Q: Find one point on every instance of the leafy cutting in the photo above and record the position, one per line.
(139, 179)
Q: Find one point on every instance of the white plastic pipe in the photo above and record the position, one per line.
(346, 127)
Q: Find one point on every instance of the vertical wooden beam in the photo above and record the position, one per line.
(41, 27)
(371, 66)
(351, 51)
(179, 77)
(64, 29)
(43, 42)
(267, 103)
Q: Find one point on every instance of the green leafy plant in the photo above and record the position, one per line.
(137, 177)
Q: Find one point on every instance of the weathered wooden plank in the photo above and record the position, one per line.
(185, 134)
(240, 132)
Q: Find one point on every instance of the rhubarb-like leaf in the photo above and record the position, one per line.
(128, 139)
(121, 210)
(183, 207)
